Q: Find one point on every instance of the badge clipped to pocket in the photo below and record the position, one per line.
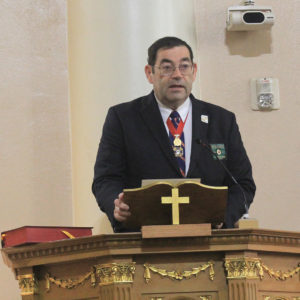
(219, 150)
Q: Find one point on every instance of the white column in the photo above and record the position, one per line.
(108, 42)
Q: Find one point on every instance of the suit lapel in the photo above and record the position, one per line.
(200, 123)
(152, 117)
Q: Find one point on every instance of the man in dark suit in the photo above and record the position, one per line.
(158, 136)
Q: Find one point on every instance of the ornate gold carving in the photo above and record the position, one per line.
(115, 273)
(70, 283)
(279, 275)
(253, 268)
(104, 274)
(177, 275)
(243, 267)
(200, 297)
(277, 298)
(27, 284)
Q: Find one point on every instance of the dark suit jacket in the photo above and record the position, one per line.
(135, 146)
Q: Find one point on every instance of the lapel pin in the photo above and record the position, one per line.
(204, 119)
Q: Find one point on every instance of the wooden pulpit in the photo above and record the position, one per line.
(230, 264)
(166, 203)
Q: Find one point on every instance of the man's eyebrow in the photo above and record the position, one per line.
(166, 60)
(186, 59)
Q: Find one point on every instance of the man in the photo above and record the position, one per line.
(157, 136)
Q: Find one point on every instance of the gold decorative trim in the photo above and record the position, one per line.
(253, 268)
(27, 284)
(177, 275)
(176, 185)
(243, 267)
(115, 273)
(104, 274)
(200, 298)
(279, 275)
(70, 283)
(274, 298)
(280, 298)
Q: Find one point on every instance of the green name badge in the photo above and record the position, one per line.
(219, 150)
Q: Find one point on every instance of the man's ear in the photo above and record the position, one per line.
(195, 68)
(149, 74)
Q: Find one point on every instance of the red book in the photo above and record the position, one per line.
(39, 234)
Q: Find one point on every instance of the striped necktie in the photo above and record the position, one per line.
(176, 136)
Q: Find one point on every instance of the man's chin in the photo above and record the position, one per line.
(176, 101)
(177, 96)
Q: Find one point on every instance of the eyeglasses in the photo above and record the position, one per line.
(167, 69)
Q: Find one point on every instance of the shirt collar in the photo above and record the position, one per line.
(183, 109)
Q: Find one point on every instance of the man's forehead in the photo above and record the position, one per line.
(178, 53)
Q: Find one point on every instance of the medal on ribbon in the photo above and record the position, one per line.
(176, 133)
(178, 150)
(177, 141)
(176, 136)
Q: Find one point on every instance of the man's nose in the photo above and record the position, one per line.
(176, 73)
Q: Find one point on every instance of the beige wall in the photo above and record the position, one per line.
(228, 60)
(35, 152)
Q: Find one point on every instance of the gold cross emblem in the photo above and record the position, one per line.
(175, 200)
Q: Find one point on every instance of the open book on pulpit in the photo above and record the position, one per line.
(167, 203)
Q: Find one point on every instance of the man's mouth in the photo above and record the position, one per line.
(176, 86)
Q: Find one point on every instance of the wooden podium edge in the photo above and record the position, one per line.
(175, 185)
(181, 230)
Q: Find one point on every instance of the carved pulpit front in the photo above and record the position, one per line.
(249, 264)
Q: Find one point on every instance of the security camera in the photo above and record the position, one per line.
(249, 17)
